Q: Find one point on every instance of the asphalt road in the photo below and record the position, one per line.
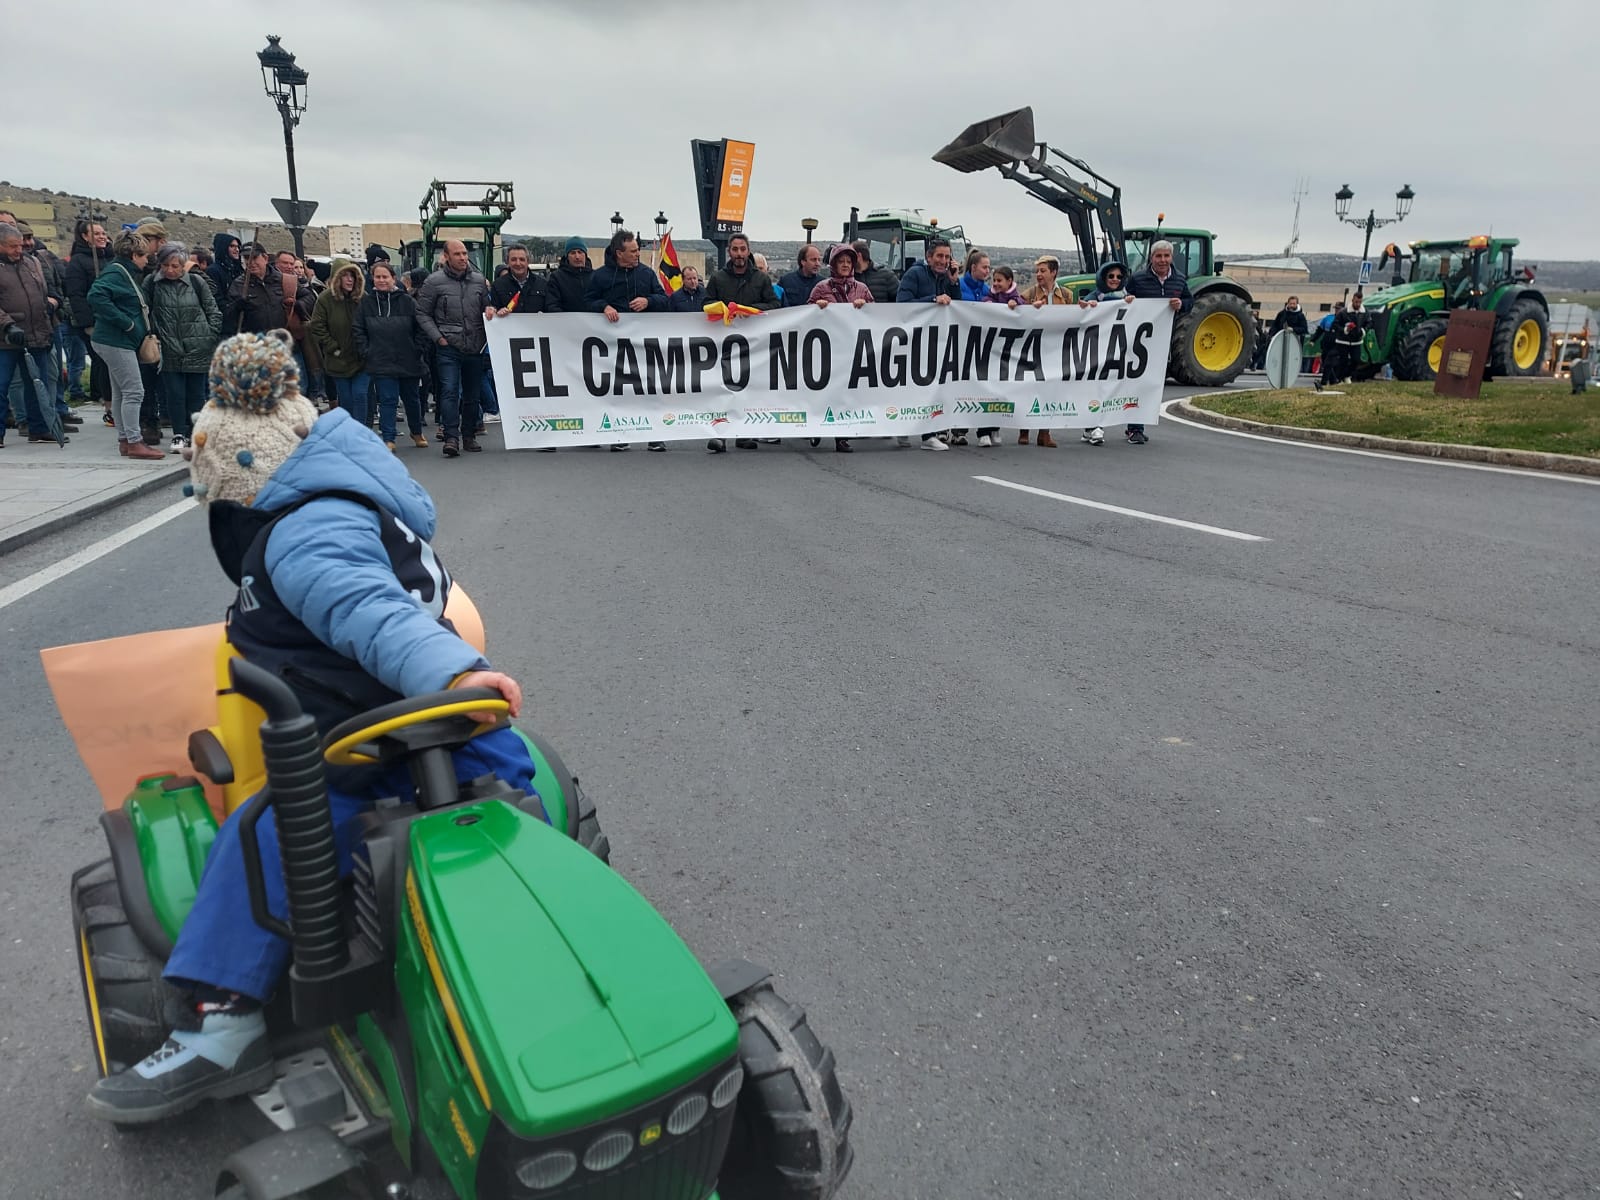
(1113, 857)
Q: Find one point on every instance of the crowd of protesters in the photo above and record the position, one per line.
(144, 313)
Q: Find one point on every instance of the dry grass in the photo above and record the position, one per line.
(1523, 415)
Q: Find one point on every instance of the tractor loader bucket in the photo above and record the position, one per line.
(997, 142)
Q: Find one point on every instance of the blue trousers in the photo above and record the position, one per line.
(39, 412)
(186, 395)
(460, 378)
(351, 394)
(220, 944)
(77, 350)
(393, 391)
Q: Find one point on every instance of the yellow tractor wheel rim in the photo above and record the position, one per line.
(1436, 354)
(1526, 345)
(1218, 341)
(85, 961)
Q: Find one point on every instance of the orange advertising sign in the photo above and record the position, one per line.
(737, 160)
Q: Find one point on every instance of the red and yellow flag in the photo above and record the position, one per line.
(667, 266)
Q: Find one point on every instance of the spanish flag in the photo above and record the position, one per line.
(667, 266)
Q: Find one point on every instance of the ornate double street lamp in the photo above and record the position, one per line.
(1341, 209)
(287, 86)
(661, 225)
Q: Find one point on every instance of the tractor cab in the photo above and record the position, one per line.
(1191, 250)
(898, 237)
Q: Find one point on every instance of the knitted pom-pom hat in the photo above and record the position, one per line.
(254, 420)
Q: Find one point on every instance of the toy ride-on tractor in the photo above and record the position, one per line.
(483, 1005)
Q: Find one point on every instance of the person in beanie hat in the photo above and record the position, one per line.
(568, 284)
(341, 596)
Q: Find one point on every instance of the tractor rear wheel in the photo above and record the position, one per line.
(791, 1136)
(590, 836)
(1422, 352)
(1213, 342)
(122, 988)
(1521, 337)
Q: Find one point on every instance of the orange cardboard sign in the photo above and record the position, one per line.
(130, 703)
(737, 160)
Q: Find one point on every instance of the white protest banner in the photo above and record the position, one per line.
(573, 379)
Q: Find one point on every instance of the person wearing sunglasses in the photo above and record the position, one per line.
(1109, 285)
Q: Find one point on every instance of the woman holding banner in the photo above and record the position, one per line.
(841, 287)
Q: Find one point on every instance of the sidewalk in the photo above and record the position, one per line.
(46, 488)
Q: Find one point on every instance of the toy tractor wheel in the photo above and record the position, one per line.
(1422, 352)
(791, 1135)
(1214, 341)
(590, 836)
(122, 988)
(1521, 337)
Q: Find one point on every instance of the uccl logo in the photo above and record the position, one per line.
(1003, 407)
(552, 425)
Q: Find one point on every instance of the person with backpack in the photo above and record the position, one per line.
(187, 322)
(1110, 286)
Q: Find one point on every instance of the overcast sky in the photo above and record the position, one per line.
(1207, 112)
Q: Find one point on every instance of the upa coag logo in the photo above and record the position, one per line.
(624, 422)
(552, 425)
(1059, 408)
(918, 413)
(1121, 403)
(891, 412)
(669, 419)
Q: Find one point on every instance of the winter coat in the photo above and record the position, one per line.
(797, 288)
(115, 302)
(333, 325)
(256, 305)
(753, 289)
(883, 283)
(1291, 319)
(998, 297)
(1146, 286)
(836, 290)
(387, 336)
(567, 289)
(1059, 294)
(974, 289)
(54, 278)
(351, 608)
(683, 300)
(24, 296)
(224, 268)
(922, 285)
(450, 306)
(613, 287)
(531, 290)
(1101, 290)
(83, 268)
(186, 319)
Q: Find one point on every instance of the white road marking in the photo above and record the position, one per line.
(24, 588)
(1386, 455)
(1125, 512)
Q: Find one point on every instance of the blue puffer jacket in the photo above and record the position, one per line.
(974, 289)
(328, 564)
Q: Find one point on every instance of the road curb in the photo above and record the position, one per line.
(154, 481)
(1534, 460)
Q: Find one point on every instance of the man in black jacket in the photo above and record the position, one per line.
(691, 297)
(740, 282)
(1291, 318)
(882, 282)
(625, 285)
(260, 300)
(91, 254)
(1160, 280)
(567, 289)
(519, 284)
(797, 284)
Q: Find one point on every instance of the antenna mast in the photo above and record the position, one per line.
(1302, 186)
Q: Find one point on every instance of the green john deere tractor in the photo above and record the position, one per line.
(1213, 342)
(898, 237)
(1406, 321)
(483, 1006)
(476, 220)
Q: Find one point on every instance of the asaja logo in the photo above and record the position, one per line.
(552, 425)
(775, 416)
(1055, 407)
(623, 421)
(847, 416)
(1001, 407)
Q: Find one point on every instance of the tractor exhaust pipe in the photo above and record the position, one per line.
(297, 791)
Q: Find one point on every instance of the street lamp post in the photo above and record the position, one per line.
(616, 221)
(661, 226)
(1341, 209)
(809, 224)
(287, 86)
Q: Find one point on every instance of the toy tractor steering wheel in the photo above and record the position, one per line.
(391, 730)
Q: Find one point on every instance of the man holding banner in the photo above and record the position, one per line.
(740, 282)
(625, 284)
